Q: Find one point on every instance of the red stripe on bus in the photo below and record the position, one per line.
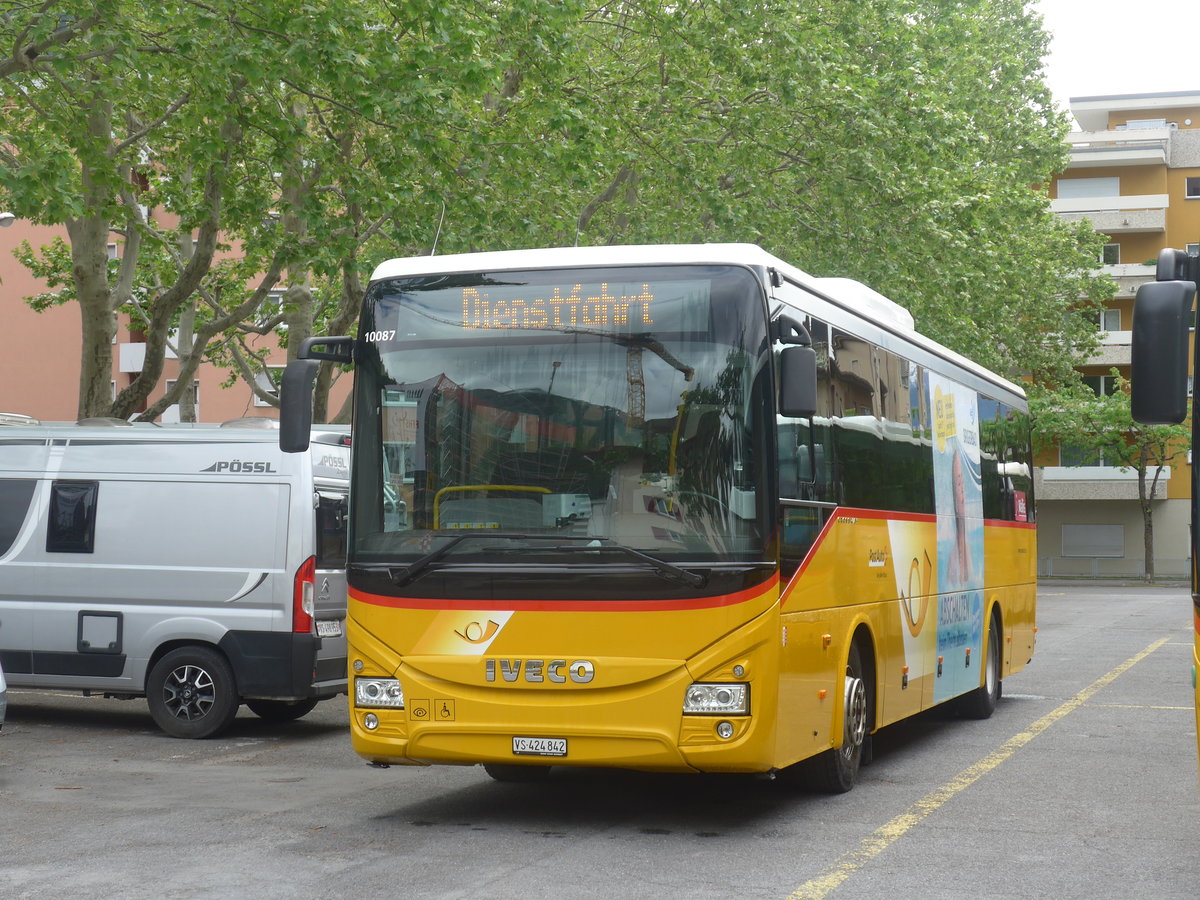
(648, 605)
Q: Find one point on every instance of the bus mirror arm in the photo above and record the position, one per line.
(295, 405)
(798, 382)
(334, 349)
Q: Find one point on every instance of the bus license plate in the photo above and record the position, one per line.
(329, 628)
(531, 746)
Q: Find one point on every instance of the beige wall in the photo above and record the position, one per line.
(1170, 537)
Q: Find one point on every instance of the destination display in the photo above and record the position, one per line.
(532, 302)
(560, 307)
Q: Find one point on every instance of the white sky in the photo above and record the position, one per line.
(1101, 47)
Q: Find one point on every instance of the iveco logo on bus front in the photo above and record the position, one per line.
(241, 467)
(536, 671)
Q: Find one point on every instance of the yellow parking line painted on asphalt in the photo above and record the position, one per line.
(888, 834)
(1141, 706)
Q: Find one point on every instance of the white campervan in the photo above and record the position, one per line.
(197, 566)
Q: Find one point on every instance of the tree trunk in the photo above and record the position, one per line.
(89, 259)
(1144, 500)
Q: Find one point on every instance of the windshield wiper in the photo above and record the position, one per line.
(670, 571)
(667, 570)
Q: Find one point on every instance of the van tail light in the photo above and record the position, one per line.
(302, 597)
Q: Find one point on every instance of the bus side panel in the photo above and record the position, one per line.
(880, 570)
(1011, 559)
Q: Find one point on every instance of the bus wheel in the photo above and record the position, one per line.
(836, 770)
(282, 710)
(981, 702)
(517, 774)
(192, 693)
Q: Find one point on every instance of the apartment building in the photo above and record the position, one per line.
(1134, 175)
(39, 370)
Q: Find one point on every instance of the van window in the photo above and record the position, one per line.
(72, 525)
(15, 494)
(331, 531)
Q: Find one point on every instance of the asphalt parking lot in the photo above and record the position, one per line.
(1083, 784)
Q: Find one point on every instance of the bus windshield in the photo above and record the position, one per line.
(517, 419)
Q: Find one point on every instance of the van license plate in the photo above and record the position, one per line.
(329, 628)
(531, 746)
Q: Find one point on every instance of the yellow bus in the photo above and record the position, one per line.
(667, 508)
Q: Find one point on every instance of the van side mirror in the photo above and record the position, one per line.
(1159, 352)
(798, 382)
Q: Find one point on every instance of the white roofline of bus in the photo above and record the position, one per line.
(845, 292)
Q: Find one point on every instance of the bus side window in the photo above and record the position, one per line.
(805, 469)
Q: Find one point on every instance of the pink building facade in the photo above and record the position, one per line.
(39, 372)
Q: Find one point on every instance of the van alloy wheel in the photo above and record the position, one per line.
(192, 692)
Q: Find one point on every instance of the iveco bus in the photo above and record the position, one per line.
(673, 508)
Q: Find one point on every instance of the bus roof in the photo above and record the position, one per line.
(847, 293)
(850, 292)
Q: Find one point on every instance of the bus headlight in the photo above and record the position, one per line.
(378, 693)
(717, 700)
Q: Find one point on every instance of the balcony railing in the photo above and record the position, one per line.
(1117, 215)
(1140, 147)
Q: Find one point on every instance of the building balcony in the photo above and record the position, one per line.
(1136, 213)
(1129, 277)
(1093, 483)
(1115, 349)
(1132, 147)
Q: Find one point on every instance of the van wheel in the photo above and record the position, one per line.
(835, 771)
(192, 693)
(282, 710)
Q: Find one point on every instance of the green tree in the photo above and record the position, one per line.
(899, 142)
(232, 149)
(1079, 418)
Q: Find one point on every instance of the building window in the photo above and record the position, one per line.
(1192, 187)
(1111, 255)
(268, 381)
(1138, 124)
(171, 413)
(1093, 540)
(1086, 188)
(1110, 320)
(1102, 385)
(1073, 457)
(1192, 249)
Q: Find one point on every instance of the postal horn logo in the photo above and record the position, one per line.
(476, 633)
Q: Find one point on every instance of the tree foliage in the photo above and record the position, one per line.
(291, 146)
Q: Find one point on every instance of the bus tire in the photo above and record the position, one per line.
(836, 770)
(282, 710)
(192, 693)
(517, 774)
(981, 702)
